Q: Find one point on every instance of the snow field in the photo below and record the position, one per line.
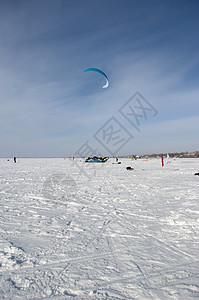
(97, 231)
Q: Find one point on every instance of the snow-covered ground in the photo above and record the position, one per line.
(97, 231)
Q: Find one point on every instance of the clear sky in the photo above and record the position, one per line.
(49, 107)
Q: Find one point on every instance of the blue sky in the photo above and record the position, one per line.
(49, 107)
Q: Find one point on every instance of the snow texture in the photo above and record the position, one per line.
(97, 231)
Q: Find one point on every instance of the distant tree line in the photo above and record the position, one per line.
(186, 154)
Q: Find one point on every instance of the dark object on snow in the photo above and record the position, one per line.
(129, 168)
(196, 174)
(15, 159)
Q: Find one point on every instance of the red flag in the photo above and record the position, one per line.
(162, 160)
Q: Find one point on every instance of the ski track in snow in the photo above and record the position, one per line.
(118, 235)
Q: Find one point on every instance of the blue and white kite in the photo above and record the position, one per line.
(101, 72)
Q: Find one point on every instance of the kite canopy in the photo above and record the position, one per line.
(96, 159)
(100, 72)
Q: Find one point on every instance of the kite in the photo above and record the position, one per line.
(100, 72)
(96, 159)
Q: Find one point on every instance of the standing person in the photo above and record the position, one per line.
(116, 159)
(15, 159)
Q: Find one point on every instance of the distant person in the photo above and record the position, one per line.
(15, 159)
(116, 159)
